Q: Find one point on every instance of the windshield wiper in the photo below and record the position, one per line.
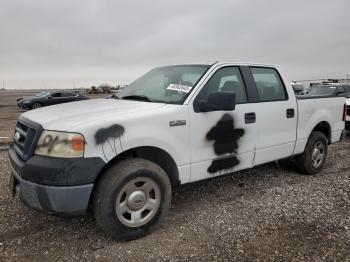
(137, 97)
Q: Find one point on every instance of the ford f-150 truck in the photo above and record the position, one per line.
(174, 125)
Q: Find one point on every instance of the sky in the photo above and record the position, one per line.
(79, 43)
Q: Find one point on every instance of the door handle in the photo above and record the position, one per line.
(249, 118)
(290, 113)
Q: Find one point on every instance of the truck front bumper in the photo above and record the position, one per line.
(69, 200)
(52, 185)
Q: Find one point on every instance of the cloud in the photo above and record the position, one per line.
(65, 43)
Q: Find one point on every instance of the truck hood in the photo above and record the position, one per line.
(65, 116)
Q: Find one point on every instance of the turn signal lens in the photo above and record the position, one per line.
(78, 143)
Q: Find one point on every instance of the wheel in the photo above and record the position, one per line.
(131, 198)
(314, 157)
(36, 105)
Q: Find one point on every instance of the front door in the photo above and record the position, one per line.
(221, 141)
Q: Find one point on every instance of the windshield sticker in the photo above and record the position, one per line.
(179, 88)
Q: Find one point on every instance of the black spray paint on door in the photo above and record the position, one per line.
(225, 137)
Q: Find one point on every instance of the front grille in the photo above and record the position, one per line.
(26, 136)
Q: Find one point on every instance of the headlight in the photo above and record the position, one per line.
(60, 144)
(25, 102)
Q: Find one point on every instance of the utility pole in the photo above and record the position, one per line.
(3, 84)
(347, 78)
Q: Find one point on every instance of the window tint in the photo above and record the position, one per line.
(67, 94)
(340, 90)
(227, 79)
(56, 95)
(269, 84)
(347, 89)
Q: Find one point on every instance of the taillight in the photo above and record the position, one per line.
(345, 112)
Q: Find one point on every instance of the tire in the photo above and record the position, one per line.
(312, 161)
(36, 105)
(131, 198)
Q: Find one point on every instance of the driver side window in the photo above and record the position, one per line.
(226, 79)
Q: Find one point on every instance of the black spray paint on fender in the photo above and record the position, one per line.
(108, 136)
(225, 137)
(103, 134)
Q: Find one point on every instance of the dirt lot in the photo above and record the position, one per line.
(267, 213)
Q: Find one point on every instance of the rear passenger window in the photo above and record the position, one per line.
(269, 84)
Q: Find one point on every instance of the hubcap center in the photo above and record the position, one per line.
(136, 200)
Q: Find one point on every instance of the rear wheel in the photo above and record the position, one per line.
(131, 198)
(314, 157)
(36, 105)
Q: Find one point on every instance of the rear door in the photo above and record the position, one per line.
(276, 115)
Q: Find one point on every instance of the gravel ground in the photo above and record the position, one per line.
(267, 213)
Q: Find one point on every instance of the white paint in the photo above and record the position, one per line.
(272, 137)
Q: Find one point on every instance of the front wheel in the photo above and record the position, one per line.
(314, 157)
(131, 198)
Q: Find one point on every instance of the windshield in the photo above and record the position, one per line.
(170, 84)
(323, 90)
(41, 94)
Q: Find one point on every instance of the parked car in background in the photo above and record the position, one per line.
(331, 90)
(48, 98)
(36, 95)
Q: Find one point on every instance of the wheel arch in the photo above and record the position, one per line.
(151, 153)
(325, 128)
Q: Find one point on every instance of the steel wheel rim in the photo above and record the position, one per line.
(138, 202)
(35, 106)
(318, 154)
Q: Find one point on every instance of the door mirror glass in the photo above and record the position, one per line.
(219, 101)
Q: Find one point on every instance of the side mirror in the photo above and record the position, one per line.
(219, 101)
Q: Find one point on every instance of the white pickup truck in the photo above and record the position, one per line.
(174, 125)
